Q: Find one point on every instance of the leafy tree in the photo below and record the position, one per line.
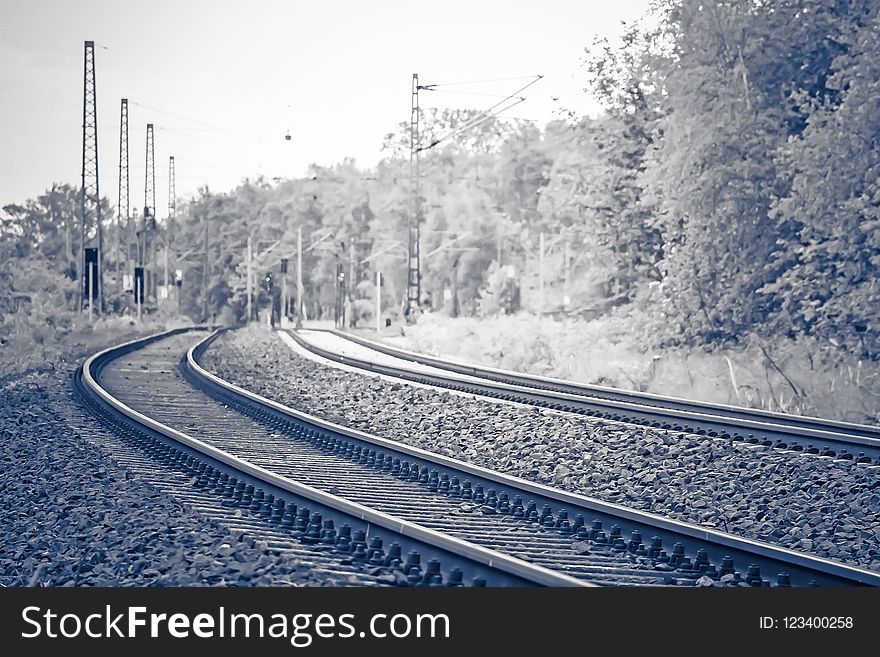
(39, 247)
(829, 255)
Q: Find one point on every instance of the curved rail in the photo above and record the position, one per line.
(750, 425)
(608, 392)
(496, 568)
(701, 545)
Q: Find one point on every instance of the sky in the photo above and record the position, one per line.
(224, 81)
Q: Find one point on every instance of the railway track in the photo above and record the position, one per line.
(507, 530)
(141, 452)
(140, 385)
(572, 534)
(855, 443)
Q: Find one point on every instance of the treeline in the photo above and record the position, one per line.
(760, 174)
(730, 188)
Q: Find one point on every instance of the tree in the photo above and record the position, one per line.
(712, 169)
(828, 258)
(39, 253)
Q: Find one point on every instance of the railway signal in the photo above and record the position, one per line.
(139, 285)
(139, 291)
(90, 275)
(284, 287)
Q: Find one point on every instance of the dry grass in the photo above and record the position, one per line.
(793, 376)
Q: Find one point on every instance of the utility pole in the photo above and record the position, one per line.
(249, 256)
(169, 229)
(149, 212)
(339, 316)
(91, 234)
(172, 193)
(500, 218)
(284, 304)
(351, 281)
(541, 275)
(565, 274)
(413, 275)
(456, 309)
(138, 292)
(299, 276)
(378, 301)
(413, 280)
(165, 279)
(91, 266)
(205, 274)
(122, 215)
(498, 240)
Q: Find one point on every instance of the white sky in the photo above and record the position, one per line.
(224, 80)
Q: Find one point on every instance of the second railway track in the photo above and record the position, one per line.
(856, 443)
(549, 536)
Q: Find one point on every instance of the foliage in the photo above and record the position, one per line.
(728, 192)
(38, 240)
(829, 256)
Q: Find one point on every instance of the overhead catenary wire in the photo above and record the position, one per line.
(178, 116)
(478, 120)
(486, 114)
(382, 252)
(126, 55)
(515, 93)
(429, 87)
(482, 119)
(469, 93)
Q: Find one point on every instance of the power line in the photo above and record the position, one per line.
(486, 114)
(413, 276)
(473, 123)
(122, 53)
(178, 116)
(430, 87)
(488, 117)
(469, 93)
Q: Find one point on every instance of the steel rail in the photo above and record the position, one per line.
(802, 568)
(751, 425)
(453, 550)
(562, 385)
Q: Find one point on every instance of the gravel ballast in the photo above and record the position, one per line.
(72, 516)
(802, 502)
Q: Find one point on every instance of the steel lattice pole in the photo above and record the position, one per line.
(149, 210)
(91, 234)
(122, 213)
(169, 228)
(413, 276)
